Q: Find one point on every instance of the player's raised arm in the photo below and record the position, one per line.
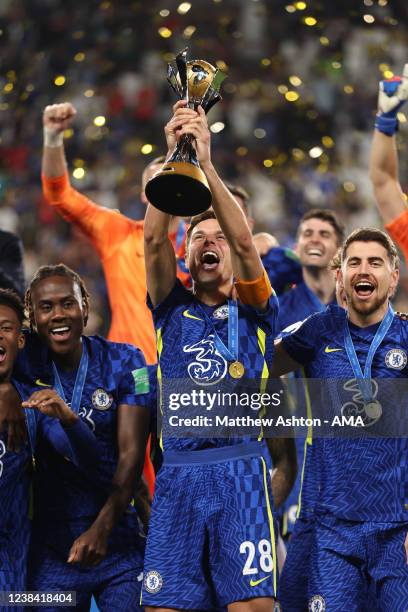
(56, 119)
(160, 259)
(384, 159)
(246, 263)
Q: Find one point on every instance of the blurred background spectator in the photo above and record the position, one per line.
(294, 127)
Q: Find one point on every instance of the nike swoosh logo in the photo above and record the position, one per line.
(190, 316)
(331, 350)
(256, 582)
(41, 384)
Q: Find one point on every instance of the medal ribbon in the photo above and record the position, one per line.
(31, 423)
(229, 353)
(364, 379)
(79, 381)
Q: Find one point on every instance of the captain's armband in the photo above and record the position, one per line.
(256, 291)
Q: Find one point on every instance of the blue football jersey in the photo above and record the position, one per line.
(283, 268)
(295, 306)
(187, 349)
(362, 478)
(116, 375)
(15, 478)
(15, 472)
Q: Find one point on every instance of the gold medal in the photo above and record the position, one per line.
(236, 369)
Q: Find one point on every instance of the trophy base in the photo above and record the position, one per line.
(180, 189)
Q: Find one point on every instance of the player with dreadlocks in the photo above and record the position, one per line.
(87, 536)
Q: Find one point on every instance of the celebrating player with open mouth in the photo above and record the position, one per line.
(211, 537)
(87, 536)
(361, 517)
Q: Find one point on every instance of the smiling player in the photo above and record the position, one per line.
(211, 537)
(87, 536)
(361, 514)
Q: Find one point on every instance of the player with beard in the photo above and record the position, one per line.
(212, 505)
(361, 515)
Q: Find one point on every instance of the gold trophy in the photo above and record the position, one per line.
(180, 187)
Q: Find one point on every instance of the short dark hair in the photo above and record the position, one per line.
(207, 214)
(10, 298)
(240, 192)
(153, 162)
(46, 272)
(325, 214)
(372, 234)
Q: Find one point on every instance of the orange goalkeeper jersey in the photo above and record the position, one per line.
(119, 243)
(398, 230)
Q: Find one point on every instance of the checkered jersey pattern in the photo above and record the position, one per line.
(362, 479)
(109, 383)
(295, 306)
(187, 351)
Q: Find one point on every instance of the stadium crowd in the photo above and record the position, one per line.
(111, 66)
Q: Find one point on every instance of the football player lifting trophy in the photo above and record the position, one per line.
(180, 187)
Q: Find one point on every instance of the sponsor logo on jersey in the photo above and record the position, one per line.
(329, 349)
(190, 316)
(317, 604)
(208, 367)
(221, 312)
(396, 359)
(101, 399)
(153, 582)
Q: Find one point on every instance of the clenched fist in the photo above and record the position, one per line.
(58, 117)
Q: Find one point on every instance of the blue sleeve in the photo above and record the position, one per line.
(77, 442)
(300, 340)
(178, 295)
(137, 382)
(283, 268)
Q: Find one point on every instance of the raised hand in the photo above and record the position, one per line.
(58, 117)
(182, 114)
(391, 96)
(197, 126)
